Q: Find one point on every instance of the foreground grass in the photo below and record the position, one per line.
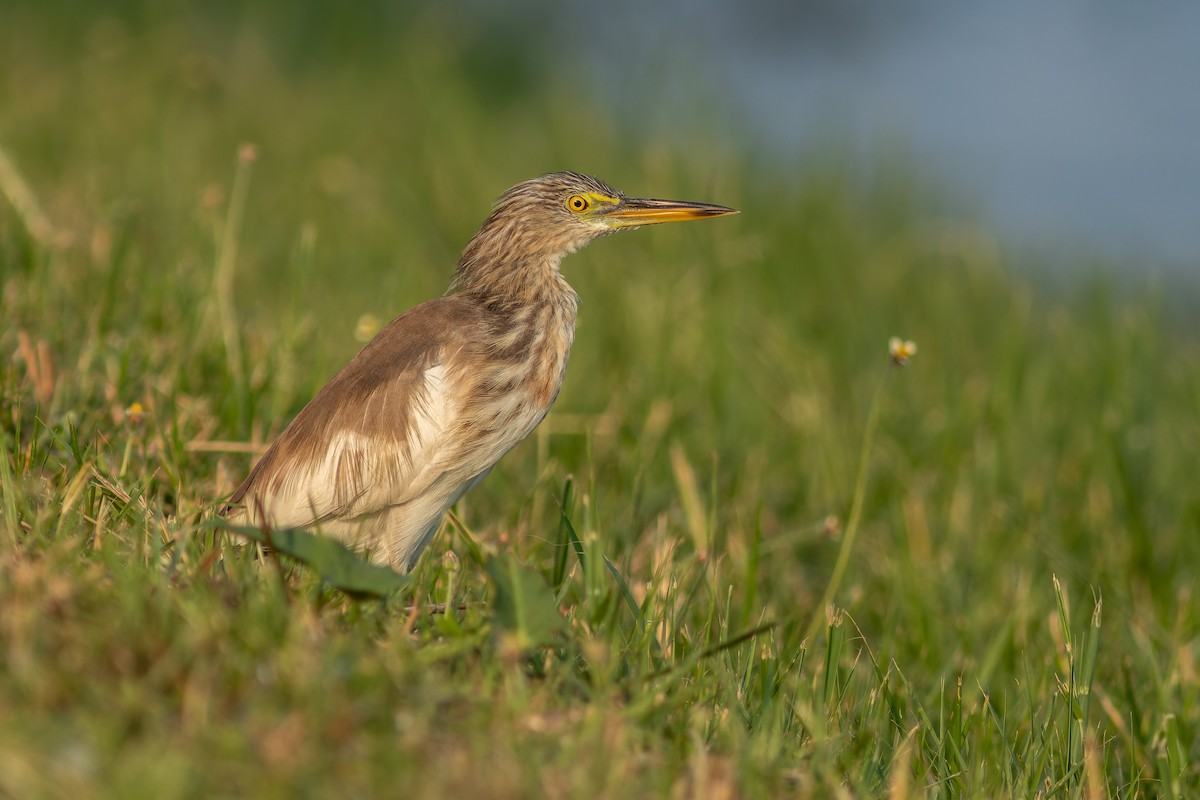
(186, 296)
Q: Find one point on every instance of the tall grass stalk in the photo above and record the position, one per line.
(225, 270)
(854, 521)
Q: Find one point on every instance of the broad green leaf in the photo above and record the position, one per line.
(523, 604)
(337, 565)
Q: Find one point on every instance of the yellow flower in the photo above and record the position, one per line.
(368, 325)
(901, 351)
(135, 414)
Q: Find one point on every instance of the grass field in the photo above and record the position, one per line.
(1007, 530)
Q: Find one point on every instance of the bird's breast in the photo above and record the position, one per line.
(551, 363)
(524, 372)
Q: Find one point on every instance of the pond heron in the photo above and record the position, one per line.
(429, 405)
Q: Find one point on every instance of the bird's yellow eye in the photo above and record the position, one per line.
(578, 203)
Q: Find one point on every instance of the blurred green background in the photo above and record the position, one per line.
(713, 423)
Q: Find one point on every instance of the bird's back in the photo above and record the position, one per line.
(412, 422)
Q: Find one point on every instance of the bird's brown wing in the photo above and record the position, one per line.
(376, 434)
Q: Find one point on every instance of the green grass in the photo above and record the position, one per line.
(687, 502)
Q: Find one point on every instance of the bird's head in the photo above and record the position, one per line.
(556, 214)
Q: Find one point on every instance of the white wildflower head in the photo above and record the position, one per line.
(901, 351)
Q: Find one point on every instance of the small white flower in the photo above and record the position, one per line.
(901, 351)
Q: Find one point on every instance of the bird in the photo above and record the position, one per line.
(425, 410)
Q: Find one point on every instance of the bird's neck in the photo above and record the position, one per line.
(513, 284)
(533, 309)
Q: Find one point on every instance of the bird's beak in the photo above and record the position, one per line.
(634, 211)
